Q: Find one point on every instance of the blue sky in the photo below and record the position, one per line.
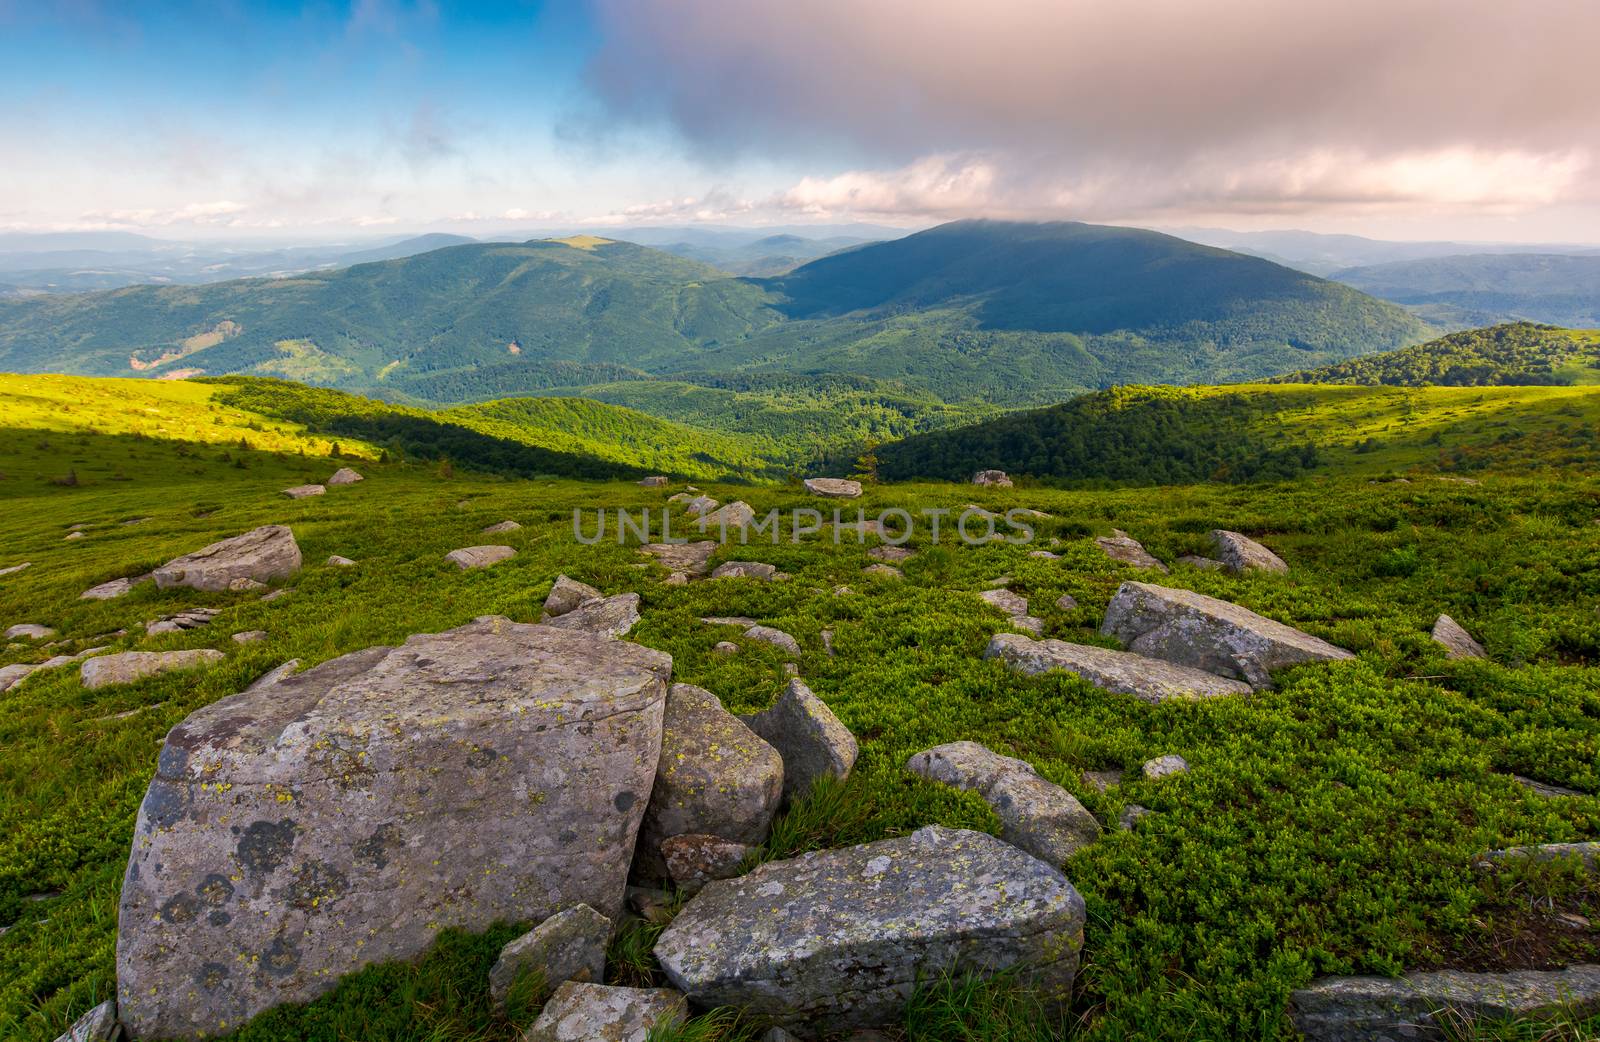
(1400, 118)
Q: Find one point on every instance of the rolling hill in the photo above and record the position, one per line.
(1480, 289)
(1518, 353)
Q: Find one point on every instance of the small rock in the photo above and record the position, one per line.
(776, 637)
(827, 642)
(842, 591)
(700, 505)
(1205, 564)
(736, 515)
(1165, 766)
(1240, 554)
(653, 481)
(340, 562)
(1545, 789)
(600, 1013)
(1124, 549)
(74, 535)
(469, 557)
(745, 570)
(194, 618)
(1067, 602)
(611, 616)
(502, 526)
(303, 491)
(1149, 679)
(128, 666)
(250, 637)
(1130, 816)
(676, 579)
(860, 529)
(108, 590)
(1043, 555)
(1587, 853)
(993, 478)
(1028, 624)
(1000, 583)
(891, 554)
(833, 488)
(883, 571)
(811, 740)
(694, 860)
(778, 1035)
(1005, 601)
(567, 595)
(267, 598)
(14, 569)
(742, 621)
(725, 647)
(1457, 642)
(1101, 781)
(345, 476)
(791, 669)
(568, 946)
(29, 631)
(651, 904)
(97, 1025)
(682, 558)
(266, 554)
(1035, 815)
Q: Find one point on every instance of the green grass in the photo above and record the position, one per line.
(1327, 826)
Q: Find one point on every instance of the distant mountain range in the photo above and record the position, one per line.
(1324, 254)
(1481, 289)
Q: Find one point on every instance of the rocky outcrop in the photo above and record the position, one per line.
(1435, 1005)
(1457, 642)
(686, 559)
(598, 1013)
(1035, 815)
(993, 478)
(745, 570)
(1124, 549)
(839, 939)
(693, 860)
(344, 476)
(1239, 554)
(570, 945)
(833, 488)
(1191, 629)
(715, 777)
(267, 554)
(469, 557)
(567, 595)
(609, 616)
(304, 491)
(811, 740)
(1151, 680)
(128, 666)
(493, 772)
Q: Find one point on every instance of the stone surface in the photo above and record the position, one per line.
(304, 491)
(1239, 553)
(733, 517)
(1457, 642)
(715, 777)
(745, 570)
(570, 945)
(833, 488)
(693, 860)
(1123, 548)
(1101, 781)
(1205, 564)
(776, 637)
(128, 666)
(598, 1013)
(1029, 624)
(1005, 601)
(191, 619)
(1035, 815)
(245, 584)
(725, 647)
(336, 561)
(501, 526)
(1587, 853)
(74, 535)
(112, 589)
(29, 631)
(654, 481)
(345, 476)
(567, 595)
(15, 568)
(469, 557)
(494, 772)
(811, 740)
(891, 554)
(267, 554)
(1191, 629)
(1043, 555)
(1130, 817)
(682, 558)
(249, 636)
(700, 505)
(996, 478)
(1066, 602)
(742, 621)
(883, 571)
(1545, 789)
(97, 1025)
(610, 616)
(1381, 1009)
(1151, 680)
(838, 939)
(1165, 766)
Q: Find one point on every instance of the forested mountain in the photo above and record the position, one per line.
(1480, 289)
(1511, 354)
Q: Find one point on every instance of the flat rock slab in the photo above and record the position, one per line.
(833, 488)
(774, 636)
(1239, 554)
(597, 1013)
(1545, 789)
(1191, 629)
(15, 568)
(609, 616)
(128, 666)
(29, 631)
(494, 772)
(1587, 853)
(267, 554)
(1148, 679)
(1036, 815)
(1006, 601)
(839, 939)
(683, 558)
(336, 561)
(1457, 642)
(469, 557)
(113, 589)
(811, 740)
(570, 945)
(1205, 564)
(1382, 1009)
(745, 570)
(345, 476)
(1124, 549)
(304, 491)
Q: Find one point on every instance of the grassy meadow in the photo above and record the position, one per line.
(1326, 826)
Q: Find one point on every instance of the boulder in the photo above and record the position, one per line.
(891, 554)
(611, 616)
(736, 515)
(833, 488)
(1191, 629)
(715, 777)
(839, 939)
(653, 481)
(1035, 815)
(266, 554)
(1148, 679)
(725, 647)
(1066, 602)
(1440, 1004)
(304, 491)
(494, 772)
(695, 860)
(567, 595)
(1124, 549)
(97, 1025)
(682, 558)
(745, 570)
(469, 557)
(1102, 781)
(501, 526)
(995, 478)
(570, 945)
(29, 631)
(249, 636)
(1005, 601)
(699, 505)
(128, 666)
(336, 561)
(1165, 766)
(345, 476)
(776, 637)
(74, 535)
(598, 1013)
(811, 740)
(1457, 642)
(1239, 554)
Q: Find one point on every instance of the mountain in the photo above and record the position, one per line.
(1324, 254)
(771, 255)
(1518, 353)
(404, 248)
(1482, 288)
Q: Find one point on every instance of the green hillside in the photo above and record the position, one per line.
(1511, 354)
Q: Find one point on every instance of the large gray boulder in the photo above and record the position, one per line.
(266, 554)
(128, 666)
(1035, 815)
(567, 595)
(1434, 1005)
(1124, 549)
(686, 559)
(811, 740)
(833, 488)
(494, 772)
(715, 777)
(1239, 554)
(839, 939)
(733, 517)
(1191, 629)
(570, 945)
(597, 1013)
(1148, 679)
(1457, 642)
(610, 616)
(345, 476)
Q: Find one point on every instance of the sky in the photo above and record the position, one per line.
(1405, 119)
